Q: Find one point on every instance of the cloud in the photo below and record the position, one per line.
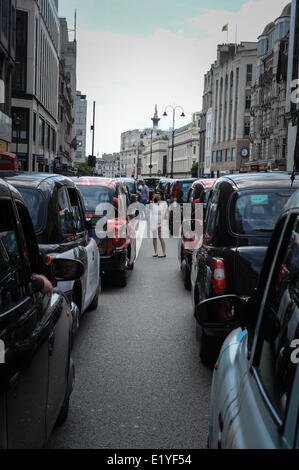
(127, 75)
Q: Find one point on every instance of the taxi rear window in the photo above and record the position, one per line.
(95, 195)
(256, 212)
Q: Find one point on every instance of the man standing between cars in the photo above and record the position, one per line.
(144, 196)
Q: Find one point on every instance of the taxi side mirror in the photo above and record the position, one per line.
(224, 312)
(66, 269)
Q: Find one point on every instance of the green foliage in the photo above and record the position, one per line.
(84, 169)
(194, 170)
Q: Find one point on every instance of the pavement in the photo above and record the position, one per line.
(139, 380)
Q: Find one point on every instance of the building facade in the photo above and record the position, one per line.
(232, 80)
(35, 85)
(268, 129)
(292, 94)
(131, 150)
(80, 126)
(67, 80)
(109, 165)
(7, 64)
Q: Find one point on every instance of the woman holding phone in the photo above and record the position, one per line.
(158, 211)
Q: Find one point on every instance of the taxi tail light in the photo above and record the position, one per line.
(176, 189)
(48, 260)
(219, 277)
(88, 216)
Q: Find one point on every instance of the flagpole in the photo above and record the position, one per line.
(227, 34)
(236, 39)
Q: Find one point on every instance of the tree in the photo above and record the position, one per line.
(84, 169)
(194, 170)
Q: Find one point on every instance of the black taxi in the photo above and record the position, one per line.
(57, 214)
(240, 217)
(36, 368)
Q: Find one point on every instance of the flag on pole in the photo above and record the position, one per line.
(225, 28)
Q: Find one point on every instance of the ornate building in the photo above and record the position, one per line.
(7, 63)
(268, 127)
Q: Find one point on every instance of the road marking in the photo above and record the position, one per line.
(139, 236)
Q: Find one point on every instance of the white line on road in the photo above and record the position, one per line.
(140, 234)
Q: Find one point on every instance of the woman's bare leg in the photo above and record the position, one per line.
(162, 241)
(155, 242)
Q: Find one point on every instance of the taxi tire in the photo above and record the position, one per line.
(186, 275)
(208, 349)
(95, 302)
(62, 417)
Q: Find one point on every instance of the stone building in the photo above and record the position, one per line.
(80, 127)
(206, 123)
(35, 84)
(7, 64)
(66, 106)
(232, 80)
(268, 127)
(132, 144)
(292, 94)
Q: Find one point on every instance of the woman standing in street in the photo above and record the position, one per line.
(158, 211)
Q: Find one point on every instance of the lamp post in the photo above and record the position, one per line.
(151, 151)
(173, 130)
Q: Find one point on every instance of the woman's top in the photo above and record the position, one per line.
(157, 214)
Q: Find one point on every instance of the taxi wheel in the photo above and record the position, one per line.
(209, 349)
(94, 304)
(62, 417)
(186, 275)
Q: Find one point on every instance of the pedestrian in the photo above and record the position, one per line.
(143, 192)
(158, 212)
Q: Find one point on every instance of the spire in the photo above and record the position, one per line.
(156, 119)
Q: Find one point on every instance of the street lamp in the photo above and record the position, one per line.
(151, 152)
(173, 130)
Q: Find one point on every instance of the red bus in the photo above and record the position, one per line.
(9, 161)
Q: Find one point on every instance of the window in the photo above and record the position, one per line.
(34, 127)
(249, 74)
(4, 14)
(36, 206)
(246, 128)
(79, 132)
(65, 217)
(47, 136)
(12, 285)
(276, 369)
(248, 102)
(41, 131)
(256, 212)
(76, 210)
(233, 155)
(53, 144)
(20, 70)
(20, 131)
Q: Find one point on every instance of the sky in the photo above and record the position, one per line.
(135, 54)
